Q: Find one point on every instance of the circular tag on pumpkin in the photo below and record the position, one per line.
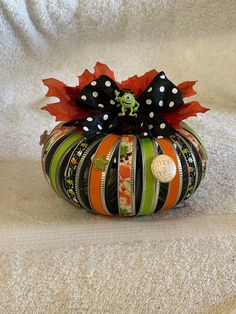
(163, 168)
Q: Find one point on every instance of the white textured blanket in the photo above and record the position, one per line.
(56, 259)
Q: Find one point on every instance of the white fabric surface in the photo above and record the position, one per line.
(53, 259)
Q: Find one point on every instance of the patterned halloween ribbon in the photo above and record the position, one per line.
(126, 175)
(117, 111)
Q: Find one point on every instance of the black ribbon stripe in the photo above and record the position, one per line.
(100, 97)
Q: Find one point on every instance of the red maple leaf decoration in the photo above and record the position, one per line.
(138, 84)
(66, 108)
(183, 112)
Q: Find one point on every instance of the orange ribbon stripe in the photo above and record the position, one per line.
(175, 184)
(95, 179)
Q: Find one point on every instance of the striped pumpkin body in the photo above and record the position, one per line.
(112, 175)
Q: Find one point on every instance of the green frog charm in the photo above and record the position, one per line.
(127, 102)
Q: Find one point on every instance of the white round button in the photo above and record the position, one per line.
(163, 168)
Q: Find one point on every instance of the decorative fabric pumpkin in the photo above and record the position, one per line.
(123, 149)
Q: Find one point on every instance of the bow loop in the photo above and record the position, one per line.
(161, 95)
(117, 111)
(98, 94)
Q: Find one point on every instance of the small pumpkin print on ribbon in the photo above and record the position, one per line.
(124, 178)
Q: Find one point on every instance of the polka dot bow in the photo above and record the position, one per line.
(117, 111)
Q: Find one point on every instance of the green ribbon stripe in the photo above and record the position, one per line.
(149, 182)
(58, 155)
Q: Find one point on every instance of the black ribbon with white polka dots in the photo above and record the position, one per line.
(98, 98)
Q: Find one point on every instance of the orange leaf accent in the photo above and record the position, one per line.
(186, 88)
(138, 83)
(55, 88)
(103, 69)
(85, 78)
(183, 112)
(65, 109)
